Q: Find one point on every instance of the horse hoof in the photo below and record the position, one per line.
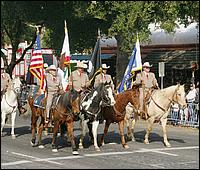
(102, 143)
(133, 139)
(75, 153)
(80, 146)
(97, 149)
(146, 142)
(41, 146)
(54, 150)
(13, 137)
(126, 146)
(168, 145)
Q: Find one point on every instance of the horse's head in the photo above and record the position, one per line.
(179, 96)
(17, 84)
(107, 95)
(75, 102)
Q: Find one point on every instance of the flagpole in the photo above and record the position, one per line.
(99, 38)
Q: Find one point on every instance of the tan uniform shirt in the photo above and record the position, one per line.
(149, 79)
(103, 78)
(79, 81)
(5, 80)
(53, 83)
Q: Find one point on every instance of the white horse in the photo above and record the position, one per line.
(9, 104)
(158, 109)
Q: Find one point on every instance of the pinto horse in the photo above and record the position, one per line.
(65, 110)
(159, 108)
(117, 112)
(91, 105)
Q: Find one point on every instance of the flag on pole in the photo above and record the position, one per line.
(65, 59)
(95, 61)
(37, 64)
(134, 64)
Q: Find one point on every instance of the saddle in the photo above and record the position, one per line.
(55, 100)
(39, 101)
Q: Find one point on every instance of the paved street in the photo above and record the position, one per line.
(184, 153)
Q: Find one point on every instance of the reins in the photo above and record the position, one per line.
(13, 107)
(164, 110)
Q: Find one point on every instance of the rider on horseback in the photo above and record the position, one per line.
(103, 77)
(79, 80)
(149, 82)
(5, 80)
(53, 87)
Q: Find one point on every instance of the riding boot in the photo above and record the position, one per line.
(46, 119)
(143, 113)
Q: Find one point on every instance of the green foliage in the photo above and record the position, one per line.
(121, 19)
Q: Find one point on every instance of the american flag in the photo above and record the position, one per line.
(37, 64)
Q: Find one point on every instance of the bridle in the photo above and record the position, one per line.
(13, 107)
(104, 97)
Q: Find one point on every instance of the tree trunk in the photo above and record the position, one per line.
(121, 61)
(14, 61)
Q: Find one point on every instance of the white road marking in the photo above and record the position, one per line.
(15, 163)
(36, 158)
(152, 150)
(142, 150)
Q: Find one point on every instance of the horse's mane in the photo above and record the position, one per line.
(65, 98)
(167, 88)
(136, 86)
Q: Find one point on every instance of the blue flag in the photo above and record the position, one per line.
(134, 64)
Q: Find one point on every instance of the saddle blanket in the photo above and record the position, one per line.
(37, 101)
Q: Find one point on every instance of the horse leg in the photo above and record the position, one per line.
(13, 125)
(55, 133)
(34, 119)
(90, 132)
(94, 131)
(83, 124)
(133, 122)
(128, 121)
(62, 131)
(149, 129)
(107, 124)
(40, 129)
(3, 119)
(121, 130)
(164, 122)
(70, 128)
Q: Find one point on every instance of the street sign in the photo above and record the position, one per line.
(161, 69)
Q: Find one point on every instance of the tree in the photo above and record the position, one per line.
(126, 18)
(19, 17)
(15, 30)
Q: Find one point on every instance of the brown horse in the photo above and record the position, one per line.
(37, 113)
(65, 111)
(117, 112)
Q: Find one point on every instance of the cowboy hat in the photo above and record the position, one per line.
(45, 65)
(52, 67)
(81, 65)
(146, 64)
(104, 66)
